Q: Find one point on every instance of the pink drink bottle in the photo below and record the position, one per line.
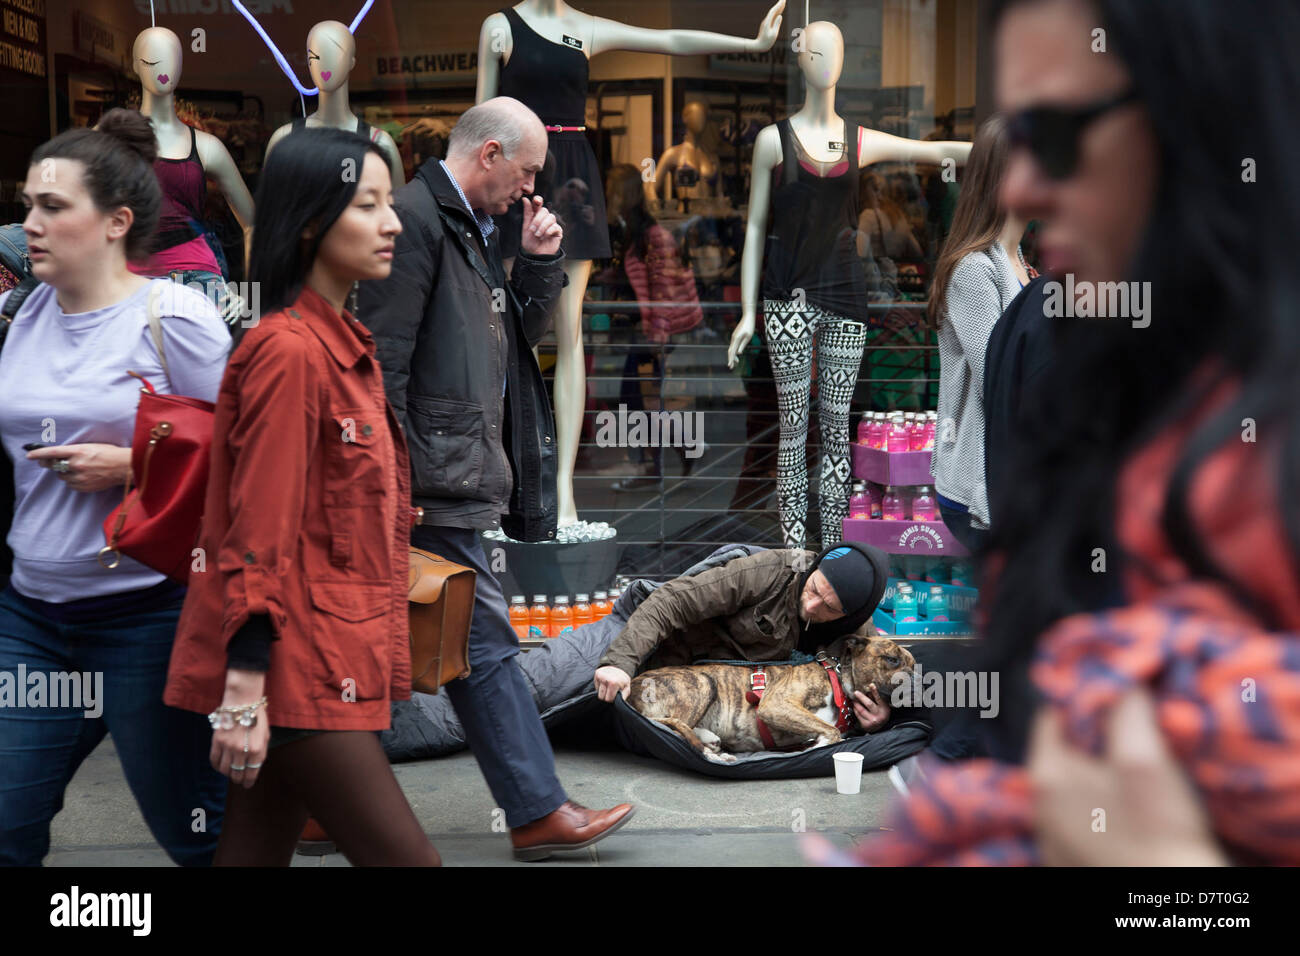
(931, 426)
(859, 501)
(864, 429)
(874, 491)
(891, 508)
(898, 438)
(923, 508)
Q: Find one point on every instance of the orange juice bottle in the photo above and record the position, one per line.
(582, 613)
(561, 616)
(601, 607)
(539, 618)
(519, 615)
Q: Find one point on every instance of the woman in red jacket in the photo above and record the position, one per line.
(294, 634)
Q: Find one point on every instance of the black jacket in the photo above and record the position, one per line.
(1018, 354)
(450, 330)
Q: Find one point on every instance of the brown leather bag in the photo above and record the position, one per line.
(441, 596)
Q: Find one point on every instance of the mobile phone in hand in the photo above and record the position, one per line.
(32, 446)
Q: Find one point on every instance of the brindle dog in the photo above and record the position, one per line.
(705, 703)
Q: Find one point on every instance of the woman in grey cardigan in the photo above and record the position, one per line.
(980, 271)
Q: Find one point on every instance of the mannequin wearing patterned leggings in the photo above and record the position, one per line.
(791, 328)
(801, 246)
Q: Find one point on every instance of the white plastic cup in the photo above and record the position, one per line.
(848, 772)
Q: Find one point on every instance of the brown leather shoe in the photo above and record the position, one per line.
(314, 841)
(570, 827)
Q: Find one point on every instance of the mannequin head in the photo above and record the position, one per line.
(156, 59)
(696, 117)
(331, 55)
(822, 57)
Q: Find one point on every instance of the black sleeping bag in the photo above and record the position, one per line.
(560, 675)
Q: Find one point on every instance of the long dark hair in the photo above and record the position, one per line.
(308, 180)
(117, 157)
(979, 217)
(625, 196)
(1219, 88)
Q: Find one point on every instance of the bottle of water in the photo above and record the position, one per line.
(905, 605)
(937, 604)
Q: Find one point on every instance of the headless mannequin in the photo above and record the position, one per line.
(792, 325)
(156, 56)
(554, 20)
(331, 56)
(687, 154)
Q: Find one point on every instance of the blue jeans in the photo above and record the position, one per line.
(208, 284)
(164, 751)
(494, 703)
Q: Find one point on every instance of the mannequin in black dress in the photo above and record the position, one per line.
(554, 42)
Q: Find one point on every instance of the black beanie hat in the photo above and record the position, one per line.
(851, 575)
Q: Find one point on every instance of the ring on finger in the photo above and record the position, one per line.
(239, 767)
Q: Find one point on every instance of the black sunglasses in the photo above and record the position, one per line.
(1052, 134)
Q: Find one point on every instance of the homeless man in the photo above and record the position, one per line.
(454, 338)
(757, 608)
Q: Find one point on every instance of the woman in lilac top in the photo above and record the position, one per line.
(84, 649)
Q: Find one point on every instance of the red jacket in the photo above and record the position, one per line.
(307, 520)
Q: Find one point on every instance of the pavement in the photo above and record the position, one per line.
(682, 819)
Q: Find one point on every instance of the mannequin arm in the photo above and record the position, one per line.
(767, 152)
(219, 164)
(877, 147)
(494, 42)
(393, 156)
(611, 35)
(661, 186)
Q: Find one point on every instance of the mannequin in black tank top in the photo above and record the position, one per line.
(548, 33)
(805, 177)
(331, 55)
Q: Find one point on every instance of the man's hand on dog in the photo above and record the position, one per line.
(611, 680)
(542, 231)
(871, 711)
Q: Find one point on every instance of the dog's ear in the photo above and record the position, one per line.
(855, 642)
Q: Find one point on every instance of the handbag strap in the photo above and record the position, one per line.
(17, 296)
(155, 330)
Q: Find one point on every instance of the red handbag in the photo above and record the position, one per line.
(158, 521)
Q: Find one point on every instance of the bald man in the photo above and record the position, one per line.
(455, 339)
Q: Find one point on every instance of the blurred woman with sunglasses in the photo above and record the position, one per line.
(1151, 546)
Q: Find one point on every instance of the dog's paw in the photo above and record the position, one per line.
(723, 758)
(825, 739)
(712, 742)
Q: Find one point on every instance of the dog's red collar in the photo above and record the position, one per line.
(843, 707)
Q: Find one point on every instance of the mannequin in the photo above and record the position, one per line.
(331, 57)
(814, 284)
(556, 41)
(156, 58)
(688, 170)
